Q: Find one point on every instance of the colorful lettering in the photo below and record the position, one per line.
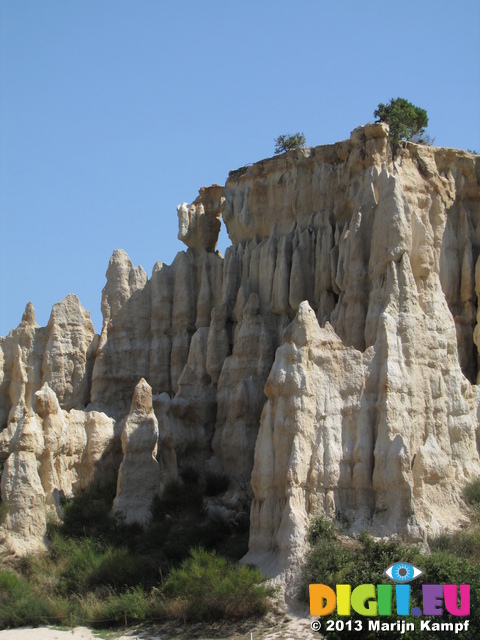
(450, 595)
(433, 599)
(322, 599)
(361, 595)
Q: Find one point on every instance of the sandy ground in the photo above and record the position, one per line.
(47, 633)
(288, 627)
(79, 633)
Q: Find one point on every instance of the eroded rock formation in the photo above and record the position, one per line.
(139, 473)
(328, 364)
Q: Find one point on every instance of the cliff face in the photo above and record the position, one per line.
(328, 363)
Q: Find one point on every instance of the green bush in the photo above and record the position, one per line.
(288, 142)
(404, 119)
(118, 568)
(81, 559)
(20, 605)
(320, 529)
(4, 510)
(183, 537)
(471, 493)
(464, 544)
(130, 607)
(88, 513)
(86, 564)
(100, 571)
(209, 587)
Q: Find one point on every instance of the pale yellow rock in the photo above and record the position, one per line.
(55, 437)
(167, 440)
(160, 327)
(329, 407)
(199, 223)
(21, 355)
(94, 466)
(18, 389)
(66, 366)
(314, 391)
(61, 354)
(23, 527)
(123, 280)
(218, 344)
(139, 474)
(51, 455)
(366, 408)
(191, 413)
(240, 393)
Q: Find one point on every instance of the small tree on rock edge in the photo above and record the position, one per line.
(289, 142)
(406, 121)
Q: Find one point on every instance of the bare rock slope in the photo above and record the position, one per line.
(328, 363)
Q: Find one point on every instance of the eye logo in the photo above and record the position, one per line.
(403, 572)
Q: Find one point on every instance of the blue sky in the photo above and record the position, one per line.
(113, 112)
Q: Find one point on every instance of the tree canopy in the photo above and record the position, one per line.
(406, 121)
(288, 142)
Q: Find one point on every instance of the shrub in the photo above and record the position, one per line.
(177, 497)
(471, 493)
(216, 483)
(88, 513)
(99, 570)
(325, 563)
(333, 561)
(190, 475)
(404, 119)
(20, 605)
(4, 510)
(131, 606)
(465, 544)
(156, 534)
(86, 564)
(210, 587)
(183, 537)
(118, 568)
(78, 559)
(320, 529)
(288, 142)
(235, 546)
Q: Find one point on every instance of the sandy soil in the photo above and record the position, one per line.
(47, 633)
(79, 633)
(285, 627)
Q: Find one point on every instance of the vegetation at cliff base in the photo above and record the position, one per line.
(405, 120)
(101, 572)
(212, 587)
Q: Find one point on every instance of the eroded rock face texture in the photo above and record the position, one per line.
(328, 363)
(139, 473)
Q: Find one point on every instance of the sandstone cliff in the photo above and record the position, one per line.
(328, 363)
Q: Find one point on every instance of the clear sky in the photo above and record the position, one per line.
(112, 112)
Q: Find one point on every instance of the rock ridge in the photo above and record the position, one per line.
(328, 363)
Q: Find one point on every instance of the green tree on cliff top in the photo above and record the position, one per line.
(288, 142)
(406, 121)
